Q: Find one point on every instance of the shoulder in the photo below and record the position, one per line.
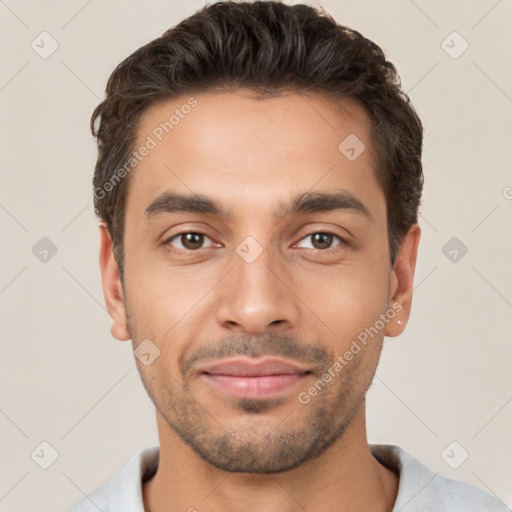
(422, 489)
(124, 491)
(461, 496)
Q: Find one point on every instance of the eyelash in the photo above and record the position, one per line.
(198, 232)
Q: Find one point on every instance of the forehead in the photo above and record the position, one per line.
(248, 152)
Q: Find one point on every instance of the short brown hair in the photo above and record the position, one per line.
(267, 47)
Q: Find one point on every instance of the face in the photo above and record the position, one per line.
(282, 255)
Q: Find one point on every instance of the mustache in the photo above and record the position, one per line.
(277, 345)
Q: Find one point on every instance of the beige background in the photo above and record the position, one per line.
(67, 382)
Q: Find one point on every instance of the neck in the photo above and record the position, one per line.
(345, 477)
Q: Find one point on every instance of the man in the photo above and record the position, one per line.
(258, 181)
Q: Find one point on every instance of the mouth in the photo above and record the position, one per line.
(261, 379)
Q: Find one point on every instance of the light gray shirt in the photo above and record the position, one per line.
(420, 490)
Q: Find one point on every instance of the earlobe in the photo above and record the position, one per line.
(112, 287)
(402, 280)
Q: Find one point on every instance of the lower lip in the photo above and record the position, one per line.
(265, 386)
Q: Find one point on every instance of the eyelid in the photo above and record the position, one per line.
(168, 240)
(343, 241)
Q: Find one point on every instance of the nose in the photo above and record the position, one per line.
(258, 296)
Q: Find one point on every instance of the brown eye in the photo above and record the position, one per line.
(192, 240)
(322, 240)
(187, 241)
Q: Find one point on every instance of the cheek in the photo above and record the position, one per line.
(166, 303)
(348, 298)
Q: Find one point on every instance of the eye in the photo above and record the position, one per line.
(188, 241)
(322, 240)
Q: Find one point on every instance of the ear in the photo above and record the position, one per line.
(112, 287)
(402, 280)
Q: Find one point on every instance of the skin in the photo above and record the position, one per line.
(295, 301)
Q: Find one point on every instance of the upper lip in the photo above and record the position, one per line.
(247, 367)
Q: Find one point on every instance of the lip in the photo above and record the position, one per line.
(246, 378)
(247, 367)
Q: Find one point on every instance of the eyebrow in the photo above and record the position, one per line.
(308, 202)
